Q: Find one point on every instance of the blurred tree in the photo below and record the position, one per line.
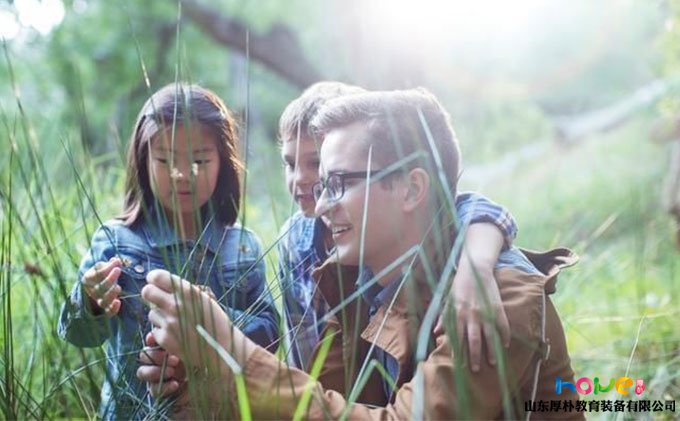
(89, 69)
(278, 49)
(669, 45)
(667, 128)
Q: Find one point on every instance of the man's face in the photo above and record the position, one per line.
(343, 151)
(301, 162)
(183, 175)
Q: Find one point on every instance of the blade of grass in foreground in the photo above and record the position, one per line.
(303, 403)
(241, 393)
(8, 408)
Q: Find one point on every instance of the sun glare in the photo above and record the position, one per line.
(41, 15)
(9, 27)
(442, 21)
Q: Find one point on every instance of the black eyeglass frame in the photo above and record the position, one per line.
(322, 185)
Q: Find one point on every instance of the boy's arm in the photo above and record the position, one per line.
(475, 296)
(473, 208)
(285, 275)
(489, 228)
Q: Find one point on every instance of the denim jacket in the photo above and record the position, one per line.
(301, 250)
(225, 258)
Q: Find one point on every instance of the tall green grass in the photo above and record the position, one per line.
(619, 305)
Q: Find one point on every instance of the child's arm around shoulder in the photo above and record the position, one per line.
(94, 297)
(489, 228)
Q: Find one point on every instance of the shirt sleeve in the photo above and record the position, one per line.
(475, 208)
(284, 264)
(77, 323)
(284, 275)
(260, 319)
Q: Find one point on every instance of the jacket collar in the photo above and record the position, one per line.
(397, 319)
(160, 234)
(319, 240)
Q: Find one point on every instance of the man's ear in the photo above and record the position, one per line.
(417, 189)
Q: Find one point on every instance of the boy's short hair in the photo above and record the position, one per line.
(399, 124)
(295, 119)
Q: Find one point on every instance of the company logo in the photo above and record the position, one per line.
(586, 386)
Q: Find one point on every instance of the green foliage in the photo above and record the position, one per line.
(497, 127)
(602, 200)
(81, 86)
(669, 45)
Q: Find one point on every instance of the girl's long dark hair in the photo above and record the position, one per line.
(183, 104)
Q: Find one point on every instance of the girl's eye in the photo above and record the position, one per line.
(202, 161)
(162, 160)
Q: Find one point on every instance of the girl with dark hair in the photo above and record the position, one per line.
(181, 203)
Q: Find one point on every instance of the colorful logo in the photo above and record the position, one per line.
(586, 385)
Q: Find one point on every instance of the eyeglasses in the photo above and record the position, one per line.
(336, 183)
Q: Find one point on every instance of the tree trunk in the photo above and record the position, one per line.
(278, 49)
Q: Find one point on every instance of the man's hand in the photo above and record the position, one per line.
(178, 307)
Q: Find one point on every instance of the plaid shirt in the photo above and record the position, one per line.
(301, 250)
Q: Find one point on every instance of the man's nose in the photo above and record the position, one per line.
(323, 205)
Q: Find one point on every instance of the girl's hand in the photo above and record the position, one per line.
(163, 372)
(100, 285)
(207, 290)
(165, 377)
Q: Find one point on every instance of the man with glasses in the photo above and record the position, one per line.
(304, 243)
(389, 168)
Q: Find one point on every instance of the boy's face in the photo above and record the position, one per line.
(301, 163)
(344, 151)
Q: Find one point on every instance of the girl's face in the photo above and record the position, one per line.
(183, 174)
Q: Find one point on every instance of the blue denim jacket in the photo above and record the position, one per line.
(227, 259)
(301, 250)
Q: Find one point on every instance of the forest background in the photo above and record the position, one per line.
(555, 104)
